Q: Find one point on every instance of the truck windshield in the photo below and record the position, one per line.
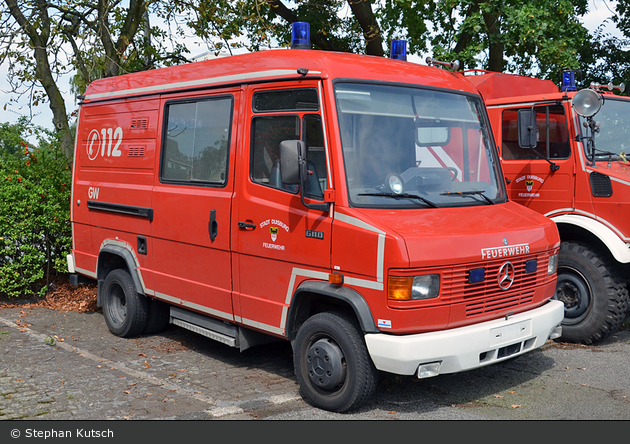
(408, 147)
(614, 130)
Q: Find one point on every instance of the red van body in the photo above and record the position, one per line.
(350, 204)
(585, 192)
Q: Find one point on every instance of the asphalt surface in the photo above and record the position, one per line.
(57, 365)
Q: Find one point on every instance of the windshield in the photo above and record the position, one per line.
(613, 137)
(416, 148)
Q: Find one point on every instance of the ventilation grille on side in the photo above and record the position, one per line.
(139, 123)
(136, 151)
(600, 185)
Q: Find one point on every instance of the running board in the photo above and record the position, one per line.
(221, 331)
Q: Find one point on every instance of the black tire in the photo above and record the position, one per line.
(158, 317)
(332, 363)
(125, 310)
(594, 295)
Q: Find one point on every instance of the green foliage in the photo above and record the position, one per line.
(538, 37)
(11, 140)
(35, 234)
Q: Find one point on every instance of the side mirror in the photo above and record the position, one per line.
(293, 169)
(290, 153)
(527, 137)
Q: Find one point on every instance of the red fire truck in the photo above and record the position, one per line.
(352, 205)
(563, 154)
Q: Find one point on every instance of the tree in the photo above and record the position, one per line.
(26, 47)
(608, 56)
(97, 39)
(535, 37)
(264, 23)
(13, 136)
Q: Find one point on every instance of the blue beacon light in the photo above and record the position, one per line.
(300, 35)
(568, 81)
(398, 50)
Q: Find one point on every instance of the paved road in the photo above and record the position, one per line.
(58, 365)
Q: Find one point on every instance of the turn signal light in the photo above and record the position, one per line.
(335, 278)
(399, 288)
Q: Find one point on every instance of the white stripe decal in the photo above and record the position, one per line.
(563, 212)
(624, 182)
(287, 301)
(261, 326)
(380, 254)
(200, 82)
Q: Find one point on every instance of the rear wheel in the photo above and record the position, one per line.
(595, 298)
(125, 310)
(332, 363)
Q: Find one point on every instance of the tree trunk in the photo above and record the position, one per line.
(495, 45)
(43, 72)
(317, 39)
(362, 10)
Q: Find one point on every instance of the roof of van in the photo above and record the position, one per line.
(273, 65)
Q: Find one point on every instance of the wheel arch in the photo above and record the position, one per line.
(588, 230)
(313, 297)
(117, 255)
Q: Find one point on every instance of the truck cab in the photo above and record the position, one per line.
(574, 171)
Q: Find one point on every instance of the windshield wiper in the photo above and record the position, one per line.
(469, 193)
(402, 196)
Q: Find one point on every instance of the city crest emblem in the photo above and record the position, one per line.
(274, 233)
(529, 184)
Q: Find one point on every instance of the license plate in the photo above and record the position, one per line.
(501, 335)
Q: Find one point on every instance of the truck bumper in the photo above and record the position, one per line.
(465, 348)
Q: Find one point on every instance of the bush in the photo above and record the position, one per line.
(35, 233)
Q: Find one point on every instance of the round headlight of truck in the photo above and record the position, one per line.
(586, 102)
(395, 183)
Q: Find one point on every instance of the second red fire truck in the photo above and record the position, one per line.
(564, 154)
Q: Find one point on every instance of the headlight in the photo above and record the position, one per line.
(395, 183)
(553, 264)
(413, 288)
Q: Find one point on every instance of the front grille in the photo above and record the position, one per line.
(487, 297)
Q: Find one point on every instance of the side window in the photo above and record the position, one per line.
(196, 142)
(552, 130)
(267, 133)
(269, 130)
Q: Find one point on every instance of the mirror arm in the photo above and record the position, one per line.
(320, 207)
(552, 165)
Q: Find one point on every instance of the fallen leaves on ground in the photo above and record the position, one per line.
(62, 297)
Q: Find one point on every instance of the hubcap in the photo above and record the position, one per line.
(573, 290)
(325, 364)
(117, 305)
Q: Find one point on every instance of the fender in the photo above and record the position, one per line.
(617, 247)
(340, 293)
(124, 251)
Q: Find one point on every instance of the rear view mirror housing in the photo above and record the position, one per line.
(290, 154)
(293, 169)
(527, 134)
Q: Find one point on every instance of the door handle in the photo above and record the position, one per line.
(246, 226)
(213, 226)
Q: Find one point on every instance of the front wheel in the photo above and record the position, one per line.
(332, 364)
(595, 298)
(125, 310)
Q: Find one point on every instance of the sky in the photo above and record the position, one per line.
(599, 10)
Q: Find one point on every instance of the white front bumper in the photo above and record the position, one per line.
(465, 348)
